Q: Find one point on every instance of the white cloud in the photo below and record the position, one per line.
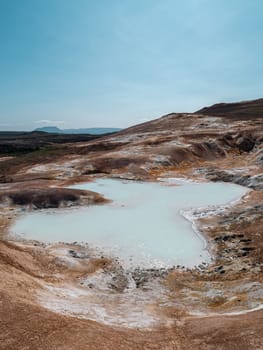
(47, 121)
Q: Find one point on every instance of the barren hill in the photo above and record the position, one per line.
(219, 143)
(239, 110)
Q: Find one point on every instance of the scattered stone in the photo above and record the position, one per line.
(78, 255)
(247, 249)
(219, 268)
(254, 182)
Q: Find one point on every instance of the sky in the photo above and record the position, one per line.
(115, 63)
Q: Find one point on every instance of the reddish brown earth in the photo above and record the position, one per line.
(219, 143)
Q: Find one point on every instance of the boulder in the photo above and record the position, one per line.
(245, 143)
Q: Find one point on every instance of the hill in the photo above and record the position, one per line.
(238, 110)
(91, 131)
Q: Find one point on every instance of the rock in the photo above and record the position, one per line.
(255, 182)
(259, 157)
(248, 249)
(219, 268)
(77, 255)
(245, 144)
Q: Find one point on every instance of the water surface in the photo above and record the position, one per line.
(142, 226)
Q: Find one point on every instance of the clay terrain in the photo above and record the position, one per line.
(68, 296)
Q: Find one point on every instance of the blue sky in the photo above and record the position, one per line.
(85, 63)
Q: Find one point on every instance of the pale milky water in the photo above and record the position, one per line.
(142, 226)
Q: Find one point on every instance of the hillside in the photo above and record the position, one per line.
(222, 298)
(238, 110)
(24, 142)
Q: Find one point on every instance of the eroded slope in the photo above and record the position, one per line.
(202, 147)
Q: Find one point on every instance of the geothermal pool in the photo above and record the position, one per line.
(143, 225)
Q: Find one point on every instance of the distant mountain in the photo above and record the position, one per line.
(50, 129)
(91, 131)
(252, 109)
